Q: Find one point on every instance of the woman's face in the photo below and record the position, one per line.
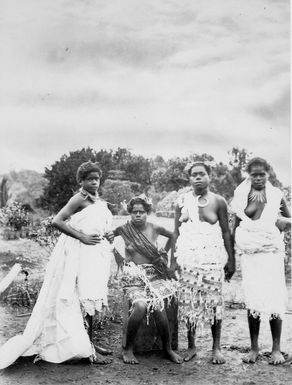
(258, 176)
(91, 182)
(199, 177)
(138, 214)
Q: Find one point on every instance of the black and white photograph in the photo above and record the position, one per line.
(145, 192)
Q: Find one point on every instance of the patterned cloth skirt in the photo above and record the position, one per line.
(200, 295)
(144, 283)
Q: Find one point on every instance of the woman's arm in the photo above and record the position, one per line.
(284, 209)
(229, 268)
(160, 230)
(59, 221)
(284, 221)
(177, 214)
(236, 224)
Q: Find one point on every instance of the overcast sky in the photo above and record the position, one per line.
(156, 76)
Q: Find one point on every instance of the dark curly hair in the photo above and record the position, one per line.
(139, 201)
(199, 163)
(257, 162)
(85, 168)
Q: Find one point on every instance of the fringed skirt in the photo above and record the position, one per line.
(201, 254)
(200, 295)
(144, 283)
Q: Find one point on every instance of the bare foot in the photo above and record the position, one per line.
(251, 357)
(288, 360)
(98, 359)
(103, 351)
(191, 353)
(174, 357)
(218, 357)
(276, 358)
(128, 357)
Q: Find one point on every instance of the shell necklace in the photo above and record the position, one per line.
(204, 203)
(86, 194)
(257, 196)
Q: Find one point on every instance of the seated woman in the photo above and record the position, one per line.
(203, 253)
(146, 277)
(260, 245)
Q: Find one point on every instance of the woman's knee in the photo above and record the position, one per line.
(139, 306)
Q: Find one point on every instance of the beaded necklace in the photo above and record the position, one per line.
(86, 194)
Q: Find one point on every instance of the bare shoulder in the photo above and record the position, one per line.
(156, 227)
(220, 200)
(76, 199)
(77, 202)
(152, 226)
(161, 230)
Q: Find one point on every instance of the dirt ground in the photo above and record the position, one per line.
(153, 368)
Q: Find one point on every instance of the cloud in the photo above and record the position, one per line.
(277, 112)
(164, 77)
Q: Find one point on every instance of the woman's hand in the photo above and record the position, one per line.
(229, 269)
(130, 248)
(174, 266)
(283, 224)
(109, 235)
(90, 239)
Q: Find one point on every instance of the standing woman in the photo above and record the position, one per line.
(257, 205)
(203, 252)
(75, 282)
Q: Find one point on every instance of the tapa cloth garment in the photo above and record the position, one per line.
(260, 246)
(202, 256)
(144, 283)
(76, 274)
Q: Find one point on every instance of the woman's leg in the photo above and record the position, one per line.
(96, 358)
(254, 329)
(276, 329)
(138, 312)
(162, 325)
(191, 335)
(216, 334)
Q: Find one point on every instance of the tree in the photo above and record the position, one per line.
(61, 178)
(117, 191)
(222, 181)
(273, 178)
(238, 160)
(171, 177)
(137, 168)
(3, 192)
(201, 158)
(106, 161)
(61, 175)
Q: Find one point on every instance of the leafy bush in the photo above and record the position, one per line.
(45, 234)
(117, 191)
(14, 216)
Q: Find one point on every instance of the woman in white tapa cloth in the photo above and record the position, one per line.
(75, 282)
(259, 243)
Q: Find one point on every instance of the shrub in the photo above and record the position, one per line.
(14, 216)
(45, 234)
